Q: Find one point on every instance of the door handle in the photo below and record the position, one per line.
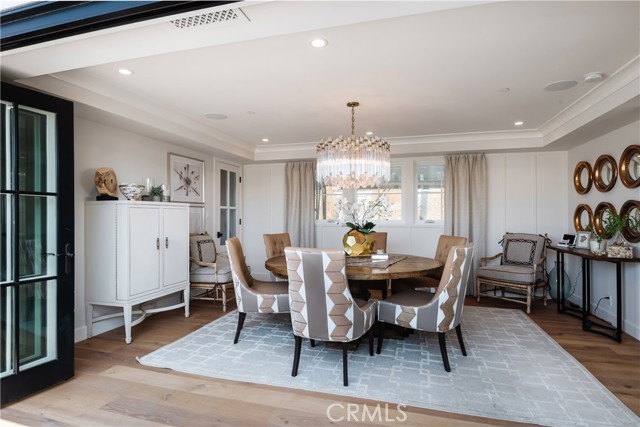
(68, 256)
(219, 234)
(166, 242)
(158, 243)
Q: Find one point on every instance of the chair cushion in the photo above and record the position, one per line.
(221, 274)
(507, 273)
(202, 247)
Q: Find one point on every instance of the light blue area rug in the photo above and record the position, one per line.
(514, 371)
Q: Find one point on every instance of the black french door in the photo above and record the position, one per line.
(36, 242)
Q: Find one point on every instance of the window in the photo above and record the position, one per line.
(327, 198)
(430, 192)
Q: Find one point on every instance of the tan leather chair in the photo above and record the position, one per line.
(432, 279)
(274, 245)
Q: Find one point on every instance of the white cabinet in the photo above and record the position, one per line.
(135, 252)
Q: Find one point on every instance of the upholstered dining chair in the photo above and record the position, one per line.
(322, 307)
(521, 270)
(432, 280)
(360, 288)
(253, 295)
(209, 270)
(439, 312)
(274, 245)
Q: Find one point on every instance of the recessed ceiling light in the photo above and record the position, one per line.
(560, 85)
(215, 116)
(593, 77)
(125, 72)
(369, 133)
(519, 123)
(265, 139)
(319, 42)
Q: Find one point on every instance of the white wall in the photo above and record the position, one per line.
(133, 158)
(603, 273)
(525, 194)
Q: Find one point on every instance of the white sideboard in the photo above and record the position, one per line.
(135, 252)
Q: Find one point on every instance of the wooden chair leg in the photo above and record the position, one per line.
(478, 289)
(529, 299)
(370, 333)
(380, 336)
(459, 334)
(296, 355)
(241, 317)
(345, 369)
(224, 298)
(443, 351)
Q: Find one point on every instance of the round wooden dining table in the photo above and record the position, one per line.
(408, 266)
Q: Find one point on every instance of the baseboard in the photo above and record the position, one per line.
(605, 313)
(80, 334)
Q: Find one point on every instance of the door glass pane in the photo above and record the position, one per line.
(232, 222)
(37, 236)
(223, 226)
(223, 188)
(5, 160)
(36, 150)
(6, 238)
(37, 323)
(6, 360)
(232, 189)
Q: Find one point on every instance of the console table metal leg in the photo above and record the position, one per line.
(560, 281)
(618, 332)
(586, 290)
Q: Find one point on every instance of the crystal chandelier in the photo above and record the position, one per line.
(353, 162)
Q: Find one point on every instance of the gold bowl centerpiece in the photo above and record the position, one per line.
(359, 240)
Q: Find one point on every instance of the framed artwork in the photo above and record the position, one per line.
(582, 239)
(186, 179)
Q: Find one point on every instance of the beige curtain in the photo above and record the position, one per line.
(300, 179)
(465, 203)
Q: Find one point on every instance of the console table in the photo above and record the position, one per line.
(590, 322)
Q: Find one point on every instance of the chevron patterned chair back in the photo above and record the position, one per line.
(322, 307)
(439, 312)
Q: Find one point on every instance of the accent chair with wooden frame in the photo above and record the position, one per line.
(322, 307)
(209, 270)
(253, 295)
(440, 312)
(521, 270)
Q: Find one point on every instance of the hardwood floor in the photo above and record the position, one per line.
(112, 389)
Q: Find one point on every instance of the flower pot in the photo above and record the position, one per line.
(356, 243)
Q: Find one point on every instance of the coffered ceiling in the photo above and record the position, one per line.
(431, 77)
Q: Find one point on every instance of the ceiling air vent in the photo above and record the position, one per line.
(226, 15)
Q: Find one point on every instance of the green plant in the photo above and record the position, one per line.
(613, 224)
(594, 234)
(156, 191)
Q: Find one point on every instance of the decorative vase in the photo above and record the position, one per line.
(356, 243)
(597, 248)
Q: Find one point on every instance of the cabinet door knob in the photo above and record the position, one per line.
(166, 242)
(158, 243)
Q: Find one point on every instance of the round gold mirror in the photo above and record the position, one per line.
(630, 166)
(583, 218)
(631, 207)
(605, 173)
(603, 210)
(582, 177)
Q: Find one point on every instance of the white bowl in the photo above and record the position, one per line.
(131, 191)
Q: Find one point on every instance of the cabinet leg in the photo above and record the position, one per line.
(186, 301)
(127, 323)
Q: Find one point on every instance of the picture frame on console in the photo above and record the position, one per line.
(582, 239)
(186, 178)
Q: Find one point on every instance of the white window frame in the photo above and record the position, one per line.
(427, 161)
